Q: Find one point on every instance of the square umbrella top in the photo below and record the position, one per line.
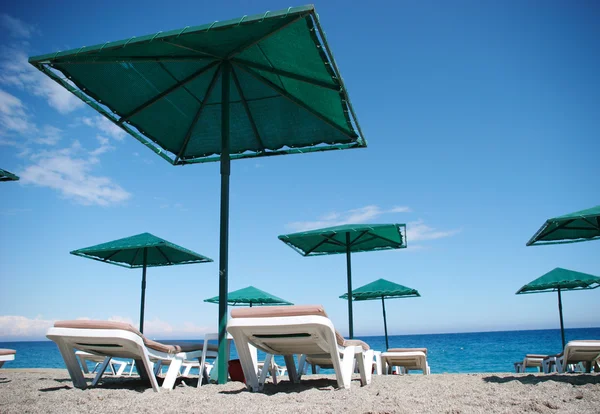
(562, 279)
(128, 252)
(286, 93)
(574, 227)
(381, 288)
(8, 176)
(334, 240)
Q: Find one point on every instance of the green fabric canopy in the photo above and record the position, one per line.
(284, 92)
(575, 227)
(250, 296)
(347, 239)
(7, 176)
(250, 87)
(142, 250)
(382, 289)
(559, 280)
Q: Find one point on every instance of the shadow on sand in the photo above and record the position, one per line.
(287, 387)
(133, 384)
(573, 379)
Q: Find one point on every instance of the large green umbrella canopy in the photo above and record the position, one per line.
(7, 176)
(250, 296)
(250, 87)
(559, 280)
(382, 289)
(347, 239)
(575, 227)
(142, 250)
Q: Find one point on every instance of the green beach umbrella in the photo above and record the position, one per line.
(382, 289)
(142, 250)
(575, 227)
(250, 296)
(254, 86)
(349, 238)
(8, 176)
(559, 280)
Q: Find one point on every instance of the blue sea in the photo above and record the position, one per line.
(447, 353)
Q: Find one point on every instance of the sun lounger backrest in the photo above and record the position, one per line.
(157, 346)
(295, 310)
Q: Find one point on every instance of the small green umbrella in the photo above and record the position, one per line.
(559, 280)
(8, 176)
(250, 296)
(347, 239)
(575, 227)
(255, 86)
(381, 289)
(142, 250)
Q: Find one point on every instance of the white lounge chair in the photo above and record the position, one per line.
(121, 340)
(586, 352)
(405, 359)
(531, 360)
(6, 355)
(289, 330)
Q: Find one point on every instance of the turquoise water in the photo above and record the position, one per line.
(452, 353)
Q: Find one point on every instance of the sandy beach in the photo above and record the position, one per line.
(51, 391)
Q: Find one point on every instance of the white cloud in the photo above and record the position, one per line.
(13, 117)
(15, 27)
(14, 327)
(17, 72)
(50, 135)
(104, 146)
(417, 230)
(17, 327)
(105, 126)
(355, 216)
(68, 171)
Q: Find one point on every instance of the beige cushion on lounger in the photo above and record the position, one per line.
(294, 310)
(4, 351)
(170, 348)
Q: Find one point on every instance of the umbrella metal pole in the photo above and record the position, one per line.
(143, 292)
(224, 237)
(349, 267)
(387, 345)
(562, 326)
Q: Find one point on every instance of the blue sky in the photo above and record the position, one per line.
(481, 118)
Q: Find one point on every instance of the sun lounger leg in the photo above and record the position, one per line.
(301, 366)
(101, 370)
(122, 366)
(263, 372)
(345, 376)
(144, 369)
(84, 365)
(72, 365)
(241, 344)
(365, 366)
(174, 368)
(291, 368)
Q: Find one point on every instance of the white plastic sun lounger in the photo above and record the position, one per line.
(586, 352)
(120, 340)
(289, 330)
(6, 355)
(531, 360)
(406, 359)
